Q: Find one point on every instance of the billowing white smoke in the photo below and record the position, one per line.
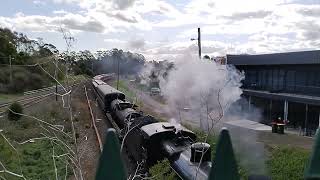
(203, 88)
(207, 89)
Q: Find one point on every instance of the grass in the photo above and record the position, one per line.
(34, 160)
(287, 162)
(9, 97)
(130, 95)
(142, 87)
(124, 88)
(73, 79)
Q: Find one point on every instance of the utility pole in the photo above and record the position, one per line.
(92, 68)
(199, 42)
(56, 76)
(10, 68)
(118, 73)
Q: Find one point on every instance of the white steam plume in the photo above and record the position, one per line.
(196, 85)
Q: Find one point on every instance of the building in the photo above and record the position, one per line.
(283, 85)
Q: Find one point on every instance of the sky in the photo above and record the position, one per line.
(162, 29)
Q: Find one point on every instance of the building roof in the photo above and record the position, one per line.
(298, 98)
(302, 57)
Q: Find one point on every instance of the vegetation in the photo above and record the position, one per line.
(17, 53)
(34, 158)
(123, 87)
(14, 109)
(287, 162)
(129, 63)
(162, 170)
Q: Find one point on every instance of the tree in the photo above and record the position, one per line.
(15, 110)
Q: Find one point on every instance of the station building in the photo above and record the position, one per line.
(283, 85)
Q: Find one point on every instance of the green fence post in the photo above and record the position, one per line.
(111, 166)
(312, 170)
(224, 166)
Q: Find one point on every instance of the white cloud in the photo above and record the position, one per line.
(60, 12)
(118, 41)
(40, 23)
(228, 26)
(38, 2)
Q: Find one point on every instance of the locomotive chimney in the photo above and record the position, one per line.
(198, 149)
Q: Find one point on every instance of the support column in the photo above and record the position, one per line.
(249, 103)
(270, 110)
(306, 120)
(319, 124)
(285, 110)
(319, 120)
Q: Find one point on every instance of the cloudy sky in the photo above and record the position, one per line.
(162, 29)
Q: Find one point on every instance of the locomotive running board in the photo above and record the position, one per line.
(114, 125)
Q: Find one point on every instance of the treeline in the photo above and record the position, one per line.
(110, 61)
(17, 55)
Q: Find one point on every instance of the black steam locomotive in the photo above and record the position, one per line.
(149, 140)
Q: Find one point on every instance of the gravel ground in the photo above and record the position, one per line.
(103, 124)
(88, 144)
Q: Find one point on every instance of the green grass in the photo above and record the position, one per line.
(124, 88)
(73, 79)
(142, 87)
(34, 160)
(287, 162)
(130, 95)
(9, 97)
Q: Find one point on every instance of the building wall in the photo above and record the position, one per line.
(298, 79)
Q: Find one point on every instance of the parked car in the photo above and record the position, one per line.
(155, 91)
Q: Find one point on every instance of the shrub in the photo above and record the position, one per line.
(162, 170)
(15, 108)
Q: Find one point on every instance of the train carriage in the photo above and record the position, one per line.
(106, 94)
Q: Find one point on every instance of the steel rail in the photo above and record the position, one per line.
(93, 121)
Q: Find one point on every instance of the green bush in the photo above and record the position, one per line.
(15, 108)
(162, 170)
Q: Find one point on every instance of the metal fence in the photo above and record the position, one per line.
(225, 166)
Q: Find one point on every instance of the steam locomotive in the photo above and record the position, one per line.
(148, 140)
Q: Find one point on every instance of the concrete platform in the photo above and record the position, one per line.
(247, 124)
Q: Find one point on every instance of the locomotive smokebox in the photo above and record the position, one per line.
(198, 150)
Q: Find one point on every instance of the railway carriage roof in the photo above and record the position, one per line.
(107, 89)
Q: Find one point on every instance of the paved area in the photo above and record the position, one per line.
(249, 125)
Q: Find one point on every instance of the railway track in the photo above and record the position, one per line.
(93, 121)
(29, 101)
(26, 101)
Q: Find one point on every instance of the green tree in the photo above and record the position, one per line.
(13, 110)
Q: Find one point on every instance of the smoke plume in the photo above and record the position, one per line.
(206, 94)
(200, 91)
